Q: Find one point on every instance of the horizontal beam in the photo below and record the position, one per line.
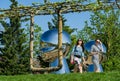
(51, 8)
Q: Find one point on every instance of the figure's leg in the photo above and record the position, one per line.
(96, 66)
(78, 65)
(80, 68)
(76, 68)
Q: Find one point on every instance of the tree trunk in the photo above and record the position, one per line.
(31, 39)
(60, 54)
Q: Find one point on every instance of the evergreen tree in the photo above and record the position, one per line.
(1, 38)
(37, 35)
(54, 24)
(15, 54)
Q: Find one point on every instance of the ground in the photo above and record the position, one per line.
(105, 76)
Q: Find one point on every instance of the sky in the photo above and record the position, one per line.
(74, 20)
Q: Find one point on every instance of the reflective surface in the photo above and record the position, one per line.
(49, 40)
(64, 69)
(89, 44)
(49, 49)
(51, 36)
(91, 68)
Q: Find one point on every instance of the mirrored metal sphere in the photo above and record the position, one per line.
(51, 36)
(49, 44)
(89, 44)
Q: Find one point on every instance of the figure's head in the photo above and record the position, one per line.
(79, 42)
(97, 41)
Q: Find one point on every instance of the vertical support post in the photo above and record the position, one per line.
(60, 54)
(31, 39)
(31, 47)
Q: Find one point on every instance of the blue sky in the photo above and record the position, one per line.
(74, 20)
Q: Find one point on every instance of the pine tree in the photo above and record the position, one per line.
(37, 34)
(15, 55)
(54, 24)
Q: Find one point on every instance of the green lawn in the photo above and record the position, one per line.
(107, 76)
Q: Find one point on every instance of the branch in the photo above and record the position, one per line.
(116, 1)
(51, 8)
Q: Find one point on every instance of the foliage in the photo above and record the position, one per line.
(54, 24)
(18, 50)
(68, 29)
(66, 6)
(1, 36)
(15, 54)
(37, 35)
(107, 76)
(85, 33)
(105, 25)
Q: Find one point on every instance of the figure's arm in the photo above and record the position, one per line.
(83, 58)
(72, 55)
(92, 51)
(101, 46)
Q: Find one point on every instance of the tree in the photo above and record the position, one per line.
(15, 54)
(68, 29)
(37, 35)
(105, 25)
(1, 38)
(85, 33)
(54, 24)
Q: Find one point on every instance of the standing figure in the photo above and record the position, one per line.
(96, 49)
(77, 55)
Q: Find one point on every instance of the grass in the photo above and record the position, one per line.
(105, 76)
